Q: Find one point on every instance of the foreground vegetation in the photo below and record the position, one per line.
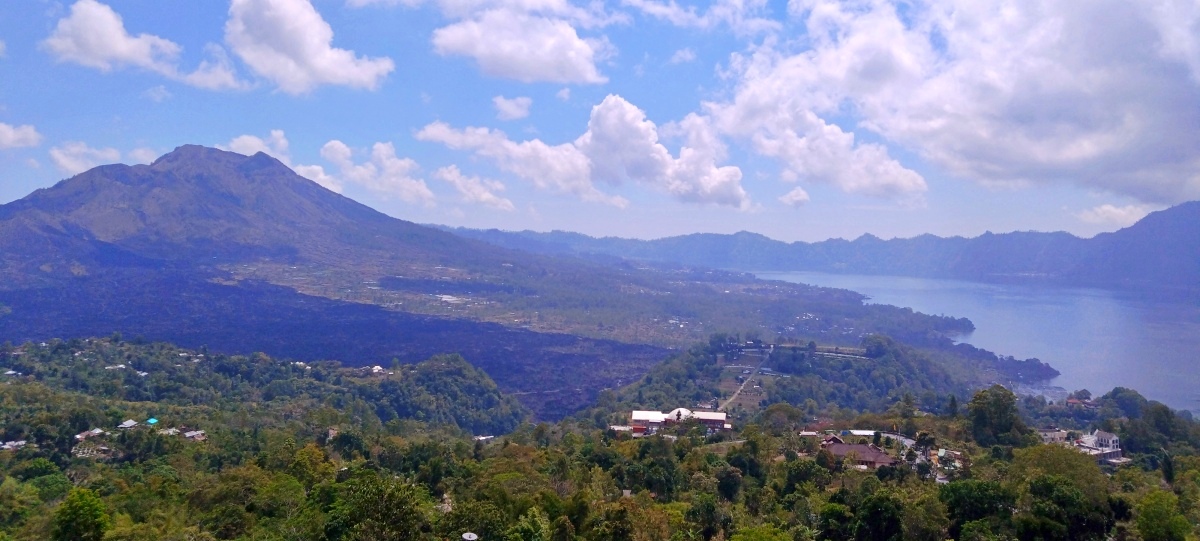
(318, 451)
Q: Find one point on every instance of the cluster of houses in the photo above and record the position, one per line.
(12, 445)
(122, 367)
(94, 449)
(866, 456)
(645, 423)
(1105, 447)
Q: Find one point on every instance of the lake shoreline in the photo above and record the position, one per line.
(1098, 339)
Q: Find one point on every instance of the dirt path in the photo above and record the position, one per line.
(765, 355)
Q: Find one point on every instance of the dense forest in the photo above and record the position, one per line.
(444, 390)
(318, 451)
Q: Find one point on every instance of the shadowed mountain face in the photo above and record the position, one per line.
(1161, 250)
(556, 373)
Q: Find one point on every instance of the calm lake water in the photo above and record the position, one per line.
(1098, 339)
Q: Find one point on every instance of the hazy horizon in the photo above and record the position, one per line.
(803, 120)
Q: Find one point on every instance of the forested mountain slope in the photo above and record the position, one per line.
(257, 448)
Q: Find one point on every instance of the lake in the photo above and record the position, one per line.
(1098, 339)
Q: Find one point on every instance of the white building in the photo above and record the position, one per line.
(1103, 446)
(650, 421)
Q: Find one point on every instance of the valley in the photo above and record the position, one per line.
(240, 253)
(347, 365)
(593, 270)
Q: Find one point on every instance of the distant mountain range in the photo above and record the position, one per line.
(207, 247)
(1161, 250)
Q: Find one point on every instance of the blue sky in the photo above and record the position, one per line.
(799, 119)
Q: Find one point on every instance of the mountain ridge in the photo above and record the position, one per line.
(1161, 250)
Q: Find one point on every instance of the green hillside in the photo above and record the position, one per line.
(322, 452)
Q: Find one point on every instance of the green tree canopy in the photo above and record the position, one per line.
(1158, 518)
(81, 517)
(995, 418)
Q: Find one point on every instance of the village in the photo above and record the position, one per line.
(743, 384)
(94, 443)
(869, 450)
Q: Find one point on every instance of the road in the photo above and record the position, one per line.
(765, 355)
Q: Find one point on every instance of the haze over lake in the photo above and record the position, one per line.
(1098, 339)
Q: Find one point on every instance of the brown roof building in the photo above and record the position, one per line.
(866, 456)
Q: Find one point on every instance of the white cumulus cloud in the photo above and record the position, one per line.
(383, 172)
(525, 47)
(216, 72)
(19, 136)
(94, 35)
(777, 107)
(74, 157)
(317, 174)
(1102, 95)
(562, 168)
(795, 198)
(290, 44)
(741, 16)
(620, 145)
(512, 109)
(1112, 215)
(525, 40)
(277, 146)
(474, 189)
(683, 56)
(142, 155)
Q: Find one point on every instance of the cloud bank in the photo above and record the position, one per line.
(1019, 93)
(620, 146)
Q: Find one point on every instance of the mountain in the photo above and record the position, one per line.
(1161, 250)
(207, 247)
(200, 204)
(148, 250)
